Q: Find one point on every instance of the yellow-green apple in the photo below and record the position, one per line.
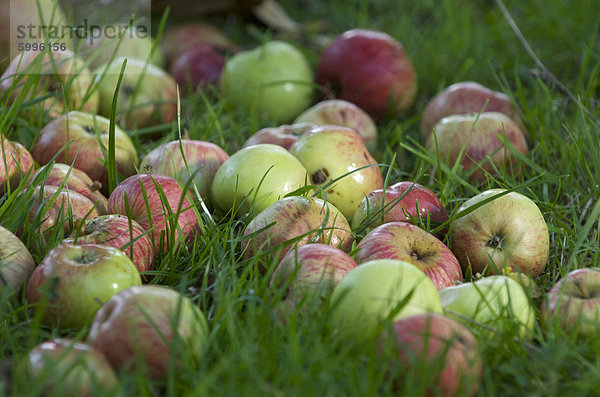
(15, 162)
(507, 232)
(200, 66)
(295, 221)
(147, 96)
(119, 232)
(73, 281)
(310, 272)
(81, 139)
(159, 205)
(148, 328)
(480, 141)
(330, 152)
(344, 113)
(64, 367)
(574, 302)
(370, 69)
(16, 263)
(410, 243)
(400, 202)
(440, 346)
(463, 98)
(284, 135)
(380, 290)
(494, 301)
(203, 159)
(274, 81)
(62, 74)
(255, 177)
(76, 180)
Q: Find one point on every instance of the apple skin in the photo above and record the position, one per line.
(274, 81)
(483, 136)
(329, 152)
(84, 151)
(16, 263)
(283, 135)
(442, 345)
(136, 328)
(255, 177)
(75, 180)
(370, 292)
(76, 280)
(293, 217)
(67, 65)
(398, 202)
(64, 367)
(493, 301)
(167, 159)
(15, 162)
(463, 98)
(156, 214)
(311, 271)
(344, 113)
(372, 70)
(410, 243)
(200, 66)
(510, 230)
(148, 94)
(573, 302)
(114, 231)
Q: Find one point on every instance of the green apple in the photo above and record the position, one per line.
(255, 177)
(495, 301)
(274, 80)
(378, 290)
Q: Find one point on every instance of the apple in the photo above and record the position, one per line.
(81, 139)
(203, 159)
(371, 69)
(463, 98)
(494, 301)
(399, 203)
(73, 281)
(16, 263)
(441, 347)
(147, 327)
(294, 221)
(73, 179)
(283, 135)
(147, 96)
(255, 177)
(484, 138)
(64, 367)
(311, 271)
(119, 232)
(200, 66)
(573, 302)
(274, 81)
(379, 290)
(159, 205)
(344, 113)
(507, 232)
(410, 243)
(61, 73)
(330, 152)
(15, 162)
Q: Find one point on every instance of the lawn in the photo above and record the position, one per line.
(550, 68)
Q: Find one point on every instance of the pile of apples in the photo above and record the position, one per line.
(319, 219)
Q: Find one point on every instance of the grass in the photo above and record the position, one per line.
(251, 352)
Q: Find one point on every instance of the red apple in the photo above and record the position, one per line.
(441, 347)
(16, 263)
(410, 243)
(371, 70)
(283, 135)
(15, 162)
(463, 98)
(199, 66)
(168, 214)
(119, 232)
